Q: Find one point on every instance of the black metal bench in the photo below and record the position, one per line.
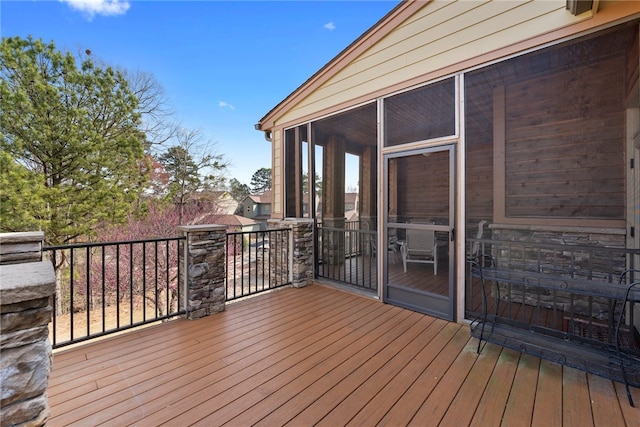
(609, 356)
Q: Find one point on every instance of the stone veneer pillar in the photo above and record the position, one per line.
(26, 287)
(202, 262)
(300, 246)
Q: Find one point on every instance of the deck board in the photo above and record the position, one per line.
(429, 378)
(319, 355)
(496, 393)
(356, 401)
(472, 389)
(321, 381)
(444, 392)
(577, 403)
(547, 409)
(606, 408)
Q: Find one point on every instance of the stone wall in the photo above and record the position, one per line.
(560, 235)
(25, 313)
(595, 265)
(204, 269)
(301, 265)
(21, 247)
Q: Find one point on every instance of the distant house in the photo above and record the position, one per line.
(306, 209)
(225, 203)
(221, 200)
(351, 207)
(350, 202)
(238, 223)
(256, 207)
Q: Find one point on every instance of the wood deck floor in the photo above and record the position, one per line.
(321, 356)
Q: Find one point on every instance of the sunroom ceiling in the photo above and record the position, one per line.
(357, 127)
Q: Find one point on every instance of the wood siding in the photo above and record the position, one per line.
(278, 177)
(551, 126)
(564, 155)
(423, 188)
(442, 33)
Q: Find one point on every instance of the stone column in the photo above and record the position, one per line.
(25, 312)
(21, 247)
(203, 269)
(299, 244)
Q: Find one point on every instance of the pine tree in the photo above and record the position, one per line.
(70, 132)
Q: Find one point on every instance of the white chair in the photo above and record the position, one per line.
(392, 248)
(420, 246)
(476, 245)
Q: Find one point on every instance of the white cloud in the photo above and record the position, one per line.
(329, 26)
(99, 7)
(223, 104)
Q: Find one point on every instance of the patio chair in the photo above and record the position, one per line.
(476, 245)
(420, 246)
(392, 248)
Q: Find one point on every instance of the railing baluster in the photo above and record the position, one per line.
(168, 290)
(155, 295)
(88, 289)
(71, 309)
(242, 246)
(55, 301)
(131, 283)
(103, 273)
(118, 286)
(231, 278)
(178, 270)
(144, 281)
(262, 252)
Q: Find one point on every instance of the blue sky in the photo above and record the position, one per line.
(223, 64)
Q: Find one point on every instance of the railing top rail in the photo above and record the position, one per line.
(350, 230)
(117, 242)
(556, 246)
(258, 232)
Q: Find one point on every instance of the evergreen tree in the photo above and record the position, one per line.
(261, 181)
(70, 133)
(183, 173)
(238, 190)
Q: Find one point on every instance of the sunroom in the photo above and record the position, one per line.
(469, 123)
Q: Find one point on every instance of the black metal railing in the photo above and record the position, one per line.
(257, 261)
(347, 255)
(102, 288)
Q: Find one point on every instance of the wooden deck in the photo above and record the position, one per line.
(321, 356)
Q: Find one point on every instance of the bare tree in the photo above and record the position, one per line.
(193, 167)
(158, 121)
(157, 115)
